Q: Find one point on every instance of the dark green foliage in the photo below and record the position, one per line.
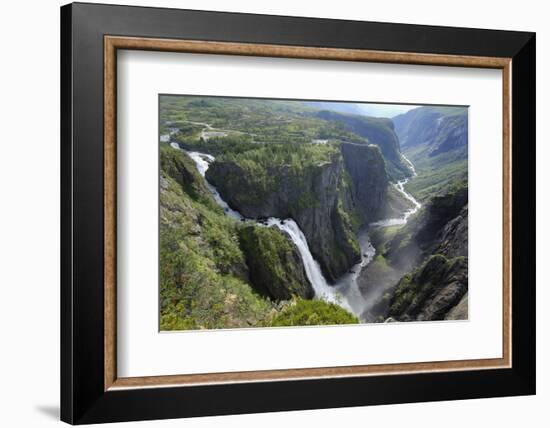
(182, 169)
(202, 269)
(269, 121)
(275, 266)
(305, 182)
(430, 291)
(312, 312)
(232, 143)
(259, 173)
(327, 171)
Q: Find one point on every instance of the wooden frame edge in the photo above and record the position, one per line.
(112, 43)
(507, 213)
(109, 198)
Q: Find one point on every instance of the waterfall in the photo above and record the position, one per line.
(203, 161)
(313, 271)
(314, 274)
(345, 292)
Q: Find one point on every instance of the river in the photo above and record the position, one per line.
(345, 292)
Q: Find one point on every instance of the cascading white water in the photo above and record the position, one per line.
(313, 271)
(203, 161)
(345, 292)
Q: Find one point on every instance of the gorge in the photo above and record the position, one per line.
(329, 217)
(344, 291)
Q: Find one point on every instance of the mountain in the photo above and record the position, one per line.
(331, 174)
(347, 108)
(435, 139)
(378, 131)
(426, 262)
(364, 109)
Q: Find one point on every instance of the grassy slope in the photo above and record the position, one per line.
(270, 121)
(435, 174)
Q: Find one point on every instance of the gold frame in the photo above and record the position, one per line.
(112, 43)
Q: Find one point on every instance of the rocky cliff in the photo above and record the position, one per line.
(438, 239)
(431, 291)
(378, 131)
(441, 128)
(441, 227)
(435, 139)
(216, 272)
(318, 198)
(365, 166)
(275, 266)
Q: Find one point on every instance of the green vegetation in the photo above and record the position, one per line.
(435, 139)
(312, 312)
(436, 175)
(273, 156)
(378, 131)
(202, 268)
(259, 173)
(232, 143)
(329, 172)
(271, 121)
(214, 270)
(415, 288)
(276, 268)
(183, 170)
(380, 236)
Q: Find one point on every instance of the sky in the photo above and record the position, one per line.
(384, 110)
(367, 109)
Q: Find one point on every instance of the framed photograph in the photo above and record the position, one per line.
(266, 213)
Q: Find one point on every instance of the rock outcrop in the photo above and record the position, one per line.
(378, 131)
(431, 291)
(275, 266)
(441, 129)
(329, 200)
(441, 227)
(317, 198)
(437, 239)
(460, 311)
(365, 166)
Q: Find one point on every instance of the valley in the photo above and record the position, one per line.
(276, 213)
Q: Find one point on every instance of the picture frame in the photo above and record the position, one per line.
(91, 390)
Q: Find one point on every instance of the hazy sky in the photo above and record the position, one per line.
(384, 110)
(367, 109)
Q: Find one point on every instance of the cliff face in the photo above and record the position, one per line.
(365, 166)
(439, 235)
(441, 227)
(317, 198)
(431, 291)
(442, 129)
(378, 131)
(214, 269)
